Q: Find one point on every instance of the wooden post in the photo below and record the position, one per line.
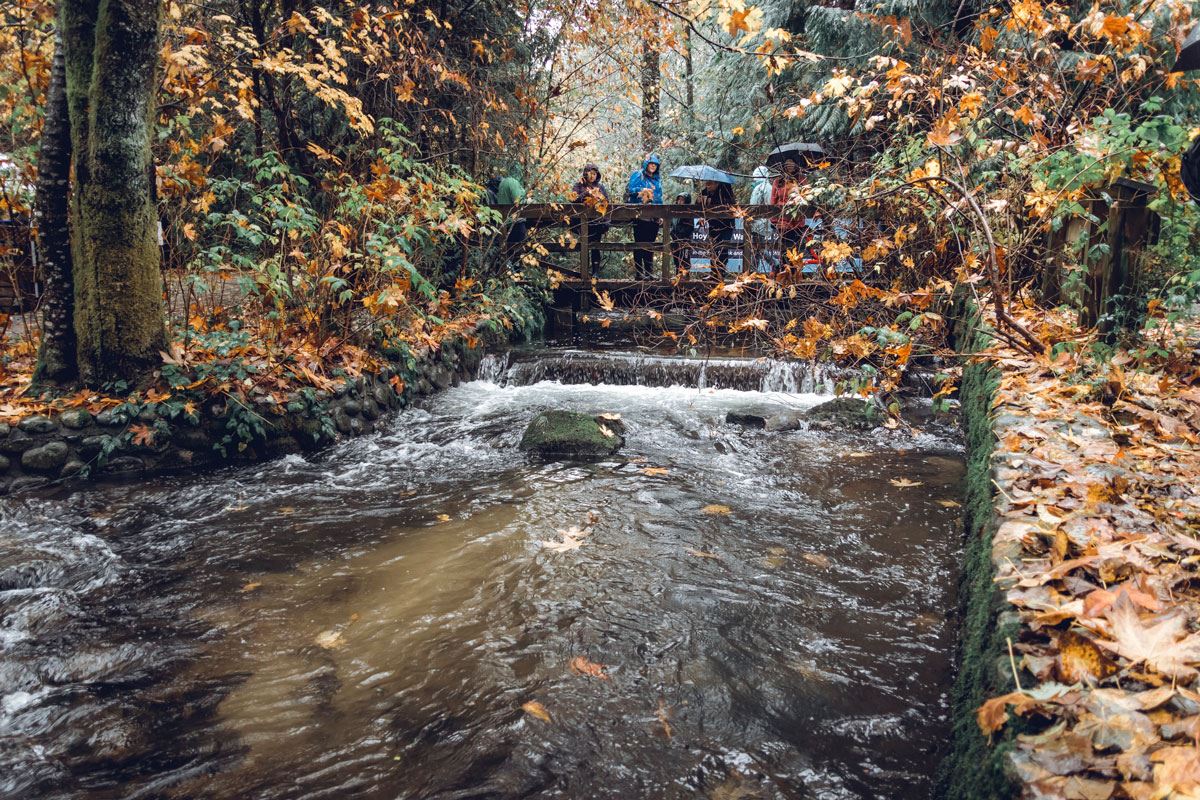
(585, 256)
(1131, 238)
(1108, 279)
(667, 267)
(747, 248)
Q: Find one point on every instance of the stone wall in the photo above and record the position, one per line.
(974, 767)
(76, 445)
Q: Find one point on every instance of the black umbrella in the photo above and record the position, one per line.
(1189, 54)
(801, 152)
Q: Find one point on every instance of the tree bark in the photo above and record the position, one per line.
(111, 59)
(56, 354)
(651, 91)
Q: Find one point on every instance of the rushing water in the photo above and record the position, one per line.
(370, 622)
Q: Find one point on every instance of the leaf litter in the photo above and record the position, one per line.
(1097, 546)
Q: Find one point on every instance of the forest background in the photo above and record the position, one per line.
(317, 171)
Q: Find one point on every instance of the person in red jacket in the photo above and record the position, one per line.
(790, 227)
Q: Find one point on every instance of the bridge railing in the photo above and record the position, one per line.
(578, 218)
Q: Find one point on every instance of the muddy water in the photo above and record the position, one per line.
(369, 623)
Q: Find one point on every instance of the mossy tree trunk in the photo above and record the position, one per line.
(111, 49)
(56, 354)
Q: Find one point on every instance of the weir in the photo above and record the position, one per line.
(573, 366)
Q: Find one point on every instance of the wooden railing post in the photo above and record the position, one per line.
(748, 264)
(667, 265)
(585, 263)
(1127, 234)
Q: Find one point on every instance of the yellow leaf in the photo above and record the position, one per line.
(658, 471)
(329, 639)
(250, 587)
(716, 508)
(817, 559)
(949, 503)
(443, 517)
(581, 666)
(904, 483)
(535, 709)
(702, 554)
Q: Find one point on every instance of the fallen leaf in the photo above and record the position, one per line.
(1161, 642)
(992, 715)
(949, 503)
(658, 471)
(535, 709)
(443, 517)
(716, 508)
(329, 639)
(663, 717)
(818, 559)
(702, 553)
(563, 546)
(904, 483)
(1081, 661)
(250, 587)
(859, 454)
(572, 538)
(582, 666)
(143, 435)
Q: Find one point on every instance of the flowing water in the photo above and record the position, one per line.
(770, 610)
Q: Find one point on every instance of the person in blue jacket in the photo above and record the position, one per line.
(645, 187)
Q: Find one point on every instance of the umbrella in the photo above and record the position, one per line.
(799, 151)
(1189, 54)
(702, 172)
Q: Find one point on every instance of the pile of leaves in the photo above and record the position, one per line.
(1096, 474)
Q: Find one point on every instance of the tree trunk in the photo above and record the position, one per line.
(111, 58)
(689, 83)
(56, 355)
(651, 91)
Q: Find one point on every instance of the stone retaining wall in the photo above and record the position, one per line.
(973, 767)
(77, 445)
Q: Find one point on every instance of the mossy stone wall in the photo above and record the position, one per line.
(973, 768)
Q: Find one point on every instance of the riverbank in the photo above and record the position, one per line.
(1078, 653)
(216, 409)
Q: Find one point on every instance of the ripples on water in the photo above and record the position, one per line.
(368, 623)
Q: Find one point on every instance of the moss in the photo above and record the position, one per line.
(111, 58)
(569, 434)
(973, 768)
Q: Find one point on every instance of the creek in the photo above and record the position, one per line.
(772, 610)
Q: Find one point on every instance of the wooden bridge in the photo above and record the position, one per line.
(577, 218)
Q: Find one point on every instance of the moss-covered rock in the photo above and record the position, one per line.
(570, 434)
(844, 412)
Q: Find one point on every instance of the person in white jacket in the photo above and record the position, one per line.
(761, 228)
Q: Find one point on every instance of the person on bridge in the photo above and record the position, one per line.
(508, 191)
(790, 226)
(645, 188)
(761, 229)
(681, 234)
(591, 192)
(714, 195)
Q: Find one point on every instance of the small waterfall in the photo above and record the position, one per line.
(492, 368)
(637, 369)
